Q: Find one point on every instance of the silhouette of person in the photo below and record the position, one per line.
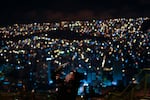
(71, 84)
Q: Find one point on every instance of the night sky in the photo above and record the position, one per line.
(19, 11)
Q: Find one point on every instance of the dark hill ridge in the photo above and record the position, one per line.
(60, 34)
(71, 35)
(145, 26)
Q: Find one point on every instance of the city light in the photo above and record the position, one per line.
(27, 51)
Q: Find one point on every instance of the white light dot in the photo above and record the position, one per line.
(123, 70)
(18, 62)
(1, 54)
(29, 63)
(89, 66)
(97, 68)
(6, 60)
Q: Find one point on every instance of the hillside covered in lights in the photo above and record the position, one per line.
(108, 52)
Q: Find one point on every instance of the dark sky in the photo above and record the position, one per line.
(21, 11)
